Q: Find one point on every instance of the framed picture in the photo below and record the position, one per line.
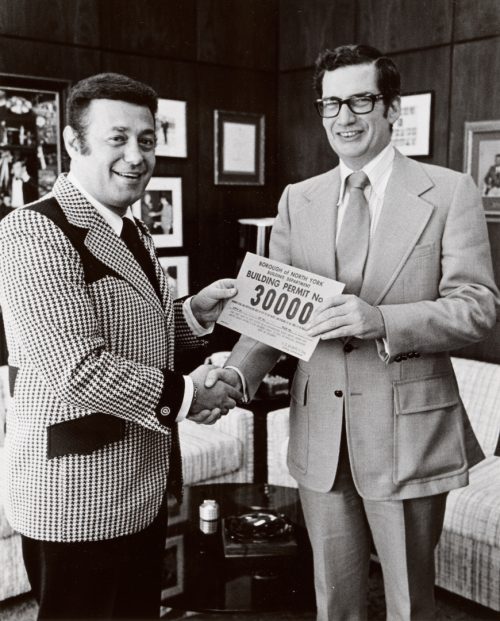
(482, 161)
(412, 131)
(160, 208)
(176, 271)
(171, 140)
(30, 137)
(172, 578)
(239, 148)
(177, 513)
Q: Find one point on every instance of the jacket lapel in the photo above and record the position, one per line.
(101, 240)
(403, 218)
(318, 221)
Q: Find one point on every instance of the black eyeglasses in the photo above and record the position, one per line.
(330, 107)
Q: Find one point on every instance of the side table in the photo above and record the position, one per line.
(207, 581)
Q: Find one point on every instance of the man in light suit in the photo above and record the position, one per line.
(378, 434)
(92, 439)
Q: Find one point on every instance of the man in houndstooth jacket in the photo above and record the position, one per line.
(92, 439)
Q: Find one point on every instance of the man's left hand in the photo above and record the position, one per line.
(346, 315)
(207, 305)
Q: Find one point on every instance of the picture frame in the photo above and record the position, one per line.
(239, 142)
(31, 154)
(412, 133)
(171, 128)
(160, 208)
(172, 579)
(482, 162)
(176, 271)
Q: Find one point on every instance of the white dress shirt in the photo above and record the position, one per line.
(116, 224)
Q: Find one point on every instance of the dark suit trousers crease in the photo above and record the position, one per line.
(112, 579)
(341, 525)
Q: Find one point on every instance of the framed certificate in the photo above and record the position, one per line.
(239, 148)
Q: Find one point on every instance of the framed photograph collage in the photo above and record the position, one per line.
(30, 137)
(482, 161)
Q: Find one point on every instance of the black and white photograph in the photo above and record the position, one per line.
(176, 271)
(160, 208)
(171, 128)
(331, 164)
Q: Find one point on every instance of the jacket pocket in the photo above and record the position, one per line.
(82, 436)
(428, 430)
(298, 445)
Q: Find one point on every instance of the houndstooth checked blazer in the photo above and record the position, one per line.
(84, 345)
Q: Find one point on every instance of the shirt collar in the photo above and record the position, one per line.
(108, 215)
(374, 170)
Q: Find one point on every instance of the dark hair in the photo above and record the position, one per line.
(106, 86)
(388, 78)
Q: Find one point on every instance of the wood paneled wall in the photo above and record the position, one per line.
(451, 47)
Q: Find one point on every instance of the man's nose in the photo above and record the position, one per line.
(133, 154)
(345, 116)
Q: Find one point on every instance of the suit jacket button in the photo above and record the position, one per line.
(411, 354)
(338, 393)
(403, 357)
(348, 348)
(165, 410)
(398, 358)
(417, 355)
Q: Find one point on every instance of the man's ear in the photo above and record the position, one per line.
(71, 141)
(394, 110)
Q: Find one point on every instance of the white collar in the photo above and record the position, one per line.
(108, 215)
(374, 170)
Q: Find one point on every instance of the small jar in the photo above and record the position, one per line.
(209, 510)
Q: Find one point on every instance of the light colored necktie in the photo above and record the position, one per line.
(354, 236)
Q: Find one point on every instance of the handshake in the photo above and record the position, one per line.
(217, 391)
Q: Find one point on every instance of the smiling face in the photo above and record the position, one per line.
(117, 159)
(357, 138)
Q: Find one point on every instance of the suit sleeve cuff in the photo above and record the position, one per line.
(243, 381)
(188, 398)
(196, 328)
(171, 398)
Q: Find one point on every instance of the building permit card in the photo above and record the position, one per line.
(275, 301)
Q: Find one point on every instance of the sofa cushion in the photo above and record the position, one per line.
(479, 386)
(207, 452)
(474, 511)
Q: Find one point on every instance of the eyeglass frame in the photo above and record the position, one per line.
(374, 97)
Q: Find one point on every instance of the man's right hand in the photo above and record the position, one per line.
(226, 375)
(217, 398)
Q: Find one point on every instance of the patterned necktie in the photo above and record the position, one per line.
(130, 236)
(354, 237)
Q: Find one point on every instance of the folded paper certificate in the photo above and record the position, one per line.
(274, 302)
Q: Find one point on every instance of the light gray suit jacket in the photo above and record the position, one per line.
(429, 271)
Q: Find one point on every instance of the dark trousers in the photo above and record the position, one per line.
(112, 579)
